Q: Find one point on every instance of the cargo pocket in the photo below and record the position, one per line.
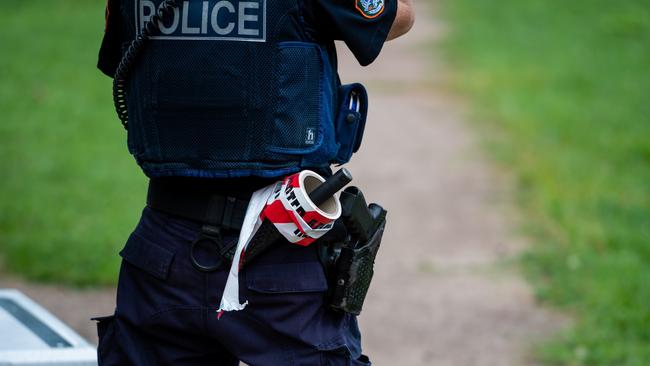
(290, 296)
(145, 286)
(303, 118)
(147, 256)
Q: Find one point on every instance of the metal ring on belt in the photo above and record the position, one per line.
(213, 236)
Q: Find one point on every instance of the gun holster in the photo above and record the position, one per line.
(349, 257)
(352, 273)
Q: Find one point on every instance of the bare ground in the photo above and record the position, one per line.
(444, 292)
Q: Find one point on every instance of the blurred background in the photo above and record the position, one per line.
(519, 129)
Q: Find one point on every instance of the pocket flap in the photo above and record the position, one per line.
(286, 277)
(147, 256)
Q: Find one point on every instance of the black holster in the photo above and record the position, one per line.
(352, 273)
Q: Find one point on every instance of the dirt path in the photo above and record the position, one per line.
(442, 294)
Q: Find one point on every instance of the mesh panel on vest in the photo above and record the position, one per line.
(297, 110)
(229, 108)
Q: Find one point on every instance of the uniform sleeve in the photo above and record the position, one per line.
(362, 24)
(110, 51)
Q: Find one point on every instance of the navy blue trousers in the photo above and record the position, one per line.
(166, 308)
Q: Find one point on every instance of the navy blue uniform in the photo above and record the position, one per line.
(166, 308)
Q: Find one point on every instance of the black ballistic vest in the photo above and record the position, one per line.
(230, 88)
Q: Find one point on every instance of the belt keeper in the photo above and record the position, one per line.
(219, 215)
(211, 231)
(220, 212)
(228, 209)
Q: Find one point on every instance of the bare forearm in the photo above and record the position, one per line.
(403, 20)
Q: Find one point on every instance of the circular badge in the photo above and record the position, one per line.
(370, 8)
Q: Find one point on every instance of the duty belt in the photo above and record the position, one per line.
(199, 203)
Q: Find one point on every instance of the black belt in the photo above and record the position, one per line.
(196, 202)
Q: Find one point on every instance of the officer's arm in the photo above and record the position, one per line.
(403, 20)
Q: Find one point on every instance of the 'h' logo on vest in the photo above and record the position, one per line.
(228, 20)
(310, 139)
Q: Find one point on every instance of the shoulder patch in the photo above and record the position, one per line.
(370, 8)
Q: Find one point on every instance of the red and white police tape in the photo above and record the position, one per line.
(287, 205)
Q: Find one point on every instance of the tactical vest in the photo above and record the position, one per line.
(231, 88)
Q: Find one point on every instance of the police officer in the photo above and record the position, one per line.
(221, 98)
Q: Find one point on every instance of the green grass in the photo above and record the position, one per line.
(69, 191)
(565, 86)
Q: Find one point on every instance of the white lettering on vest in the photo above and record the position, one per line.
(186, 27)
(243, 18)
(204, 17)
(215, 15)
(149, 7)
(212, 20)
(172, 28)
